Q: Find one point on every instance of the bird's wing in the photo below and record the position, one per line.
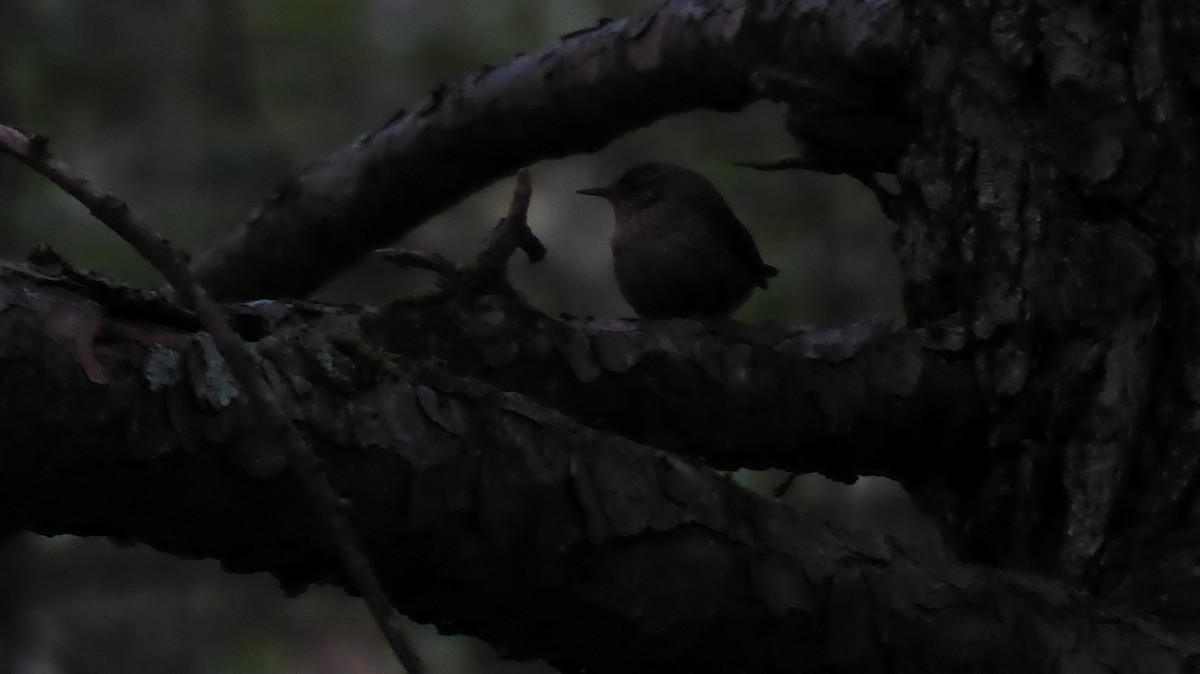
(738, 239)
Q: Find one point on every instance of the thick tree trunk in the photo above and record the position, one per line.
(1048, 203)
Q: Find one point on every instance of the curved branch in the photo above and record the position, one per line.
(592, 87)
(492, 515)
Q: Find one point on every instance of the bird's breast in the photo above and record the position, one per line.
(677, 271)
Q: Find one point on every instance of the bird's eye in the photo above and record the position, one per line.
(639, 183)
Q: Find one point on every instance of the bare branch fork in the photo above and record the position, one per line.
(512, 233)
(305, 464)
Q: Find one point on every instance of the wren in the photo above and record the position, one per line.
(678, 249)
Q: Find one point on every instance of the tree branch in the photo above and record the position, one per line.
(867, 399)
(592, 87)
(476, 501)
(276, 427)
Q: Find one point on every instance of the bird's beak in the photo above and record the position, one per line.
(595, 192)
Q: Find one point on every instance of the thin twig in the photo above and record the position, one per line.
(306, 466)
(420, 259)
(783, 163)
(783, 487)
(512, 232)
(805, 162)
(486, 271)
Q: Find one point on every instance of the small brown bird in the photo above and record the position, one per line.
(678, 250)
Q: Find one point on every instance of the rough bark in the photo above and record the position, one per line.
(487, 512)
(859, 400)
(1049, 201)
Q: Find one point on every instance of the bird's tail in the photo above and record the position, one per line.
(766, 272)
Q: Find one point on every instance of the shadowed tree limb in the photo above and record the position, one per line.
(492, 515)
(587, 90)
(866, 399)
(276, 427)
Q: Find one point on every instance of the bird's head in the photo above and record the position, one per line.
(642, 186)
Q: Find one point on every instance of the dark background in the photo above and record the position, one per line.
(193, 110)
